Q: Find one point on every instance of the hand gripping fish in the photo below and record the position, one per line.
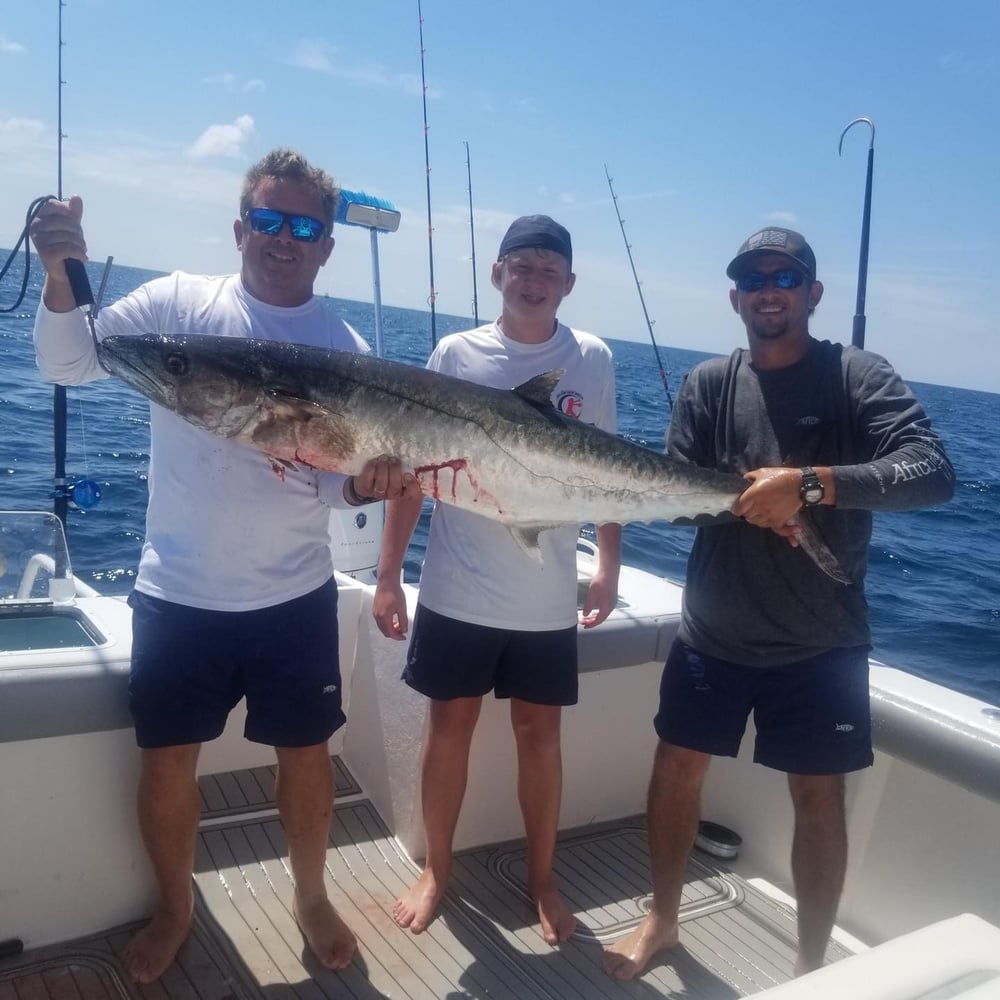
(505, 454)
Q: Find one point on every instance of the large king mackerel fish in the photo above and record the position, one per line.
(508, 455)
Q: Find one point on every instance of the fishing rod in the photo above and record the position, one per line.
(60, 495)
(427, 168)
(66, 491)
(82, 494)
(472, 236)
(638, 286)
(858, 331)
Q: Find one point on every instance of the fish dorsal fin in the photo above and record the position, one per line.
(539, 389)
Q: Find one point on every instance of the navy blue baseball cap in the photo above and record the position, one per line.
(774, 239)
(537, 232)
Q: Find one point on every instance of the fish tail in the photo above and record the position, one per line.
(811, 542)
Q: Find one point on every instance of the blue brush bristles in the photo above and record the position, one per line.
(367, 220)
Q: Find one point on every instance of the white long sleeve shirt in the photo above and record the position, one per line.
(223, 531)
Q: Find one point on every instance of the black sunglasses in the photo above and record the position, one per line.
(270, 222)
(754, 281)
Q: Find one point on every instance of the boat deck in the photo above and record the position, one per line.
(484, 943)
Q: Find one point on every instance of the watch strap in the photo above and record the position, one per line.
(811, 491)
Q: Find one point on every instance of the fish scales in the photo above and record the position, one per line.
(505, 454)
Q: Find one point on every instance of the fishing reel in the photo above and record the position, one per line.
(80, 494)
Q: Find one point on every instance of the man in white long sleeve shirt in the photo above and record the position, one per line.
(235, 593)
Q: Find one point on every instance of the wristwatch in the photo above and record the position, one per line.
(811, 491)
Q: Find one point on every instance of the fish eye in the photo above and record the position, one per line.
(176, 364)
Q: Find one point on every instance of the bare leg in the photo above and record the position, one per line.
(539, 789)
(169, 808)
(819, 860)
(304, 791)
(672, 814)
(444, 773)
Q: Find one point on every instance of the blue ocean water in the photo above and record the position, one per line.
(934, 579)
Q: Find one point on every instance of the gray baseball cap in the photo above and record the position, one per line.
(773, 240)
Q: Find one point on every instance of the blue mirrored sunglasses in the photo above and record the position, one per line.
(270, 222)
(754, 281)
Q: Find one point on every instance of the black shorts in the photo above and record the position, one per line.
(190, 667)
(451, 659)
(812, 716)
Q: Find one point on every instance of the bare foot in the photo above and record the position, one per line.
(804, 965)
(150, 953)
(557, 920)
(416, 907)
(327, 935)
(627, 958)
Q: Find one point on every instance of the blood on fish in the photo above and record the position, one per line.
(456, 465)
(277, 468)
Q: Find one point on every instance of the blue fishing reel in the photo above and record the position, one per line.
(80, 494)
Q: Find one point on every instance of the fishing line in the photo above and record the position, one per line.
(33, 209)
(83, 441)
(84, 493)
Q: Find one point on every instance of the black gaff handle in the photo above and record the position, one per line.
(83, 295)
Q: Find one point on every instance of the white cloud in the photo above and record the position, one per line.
(10, 48)
(965, 65)
(18, 133)
(314, 54)
(224, 140)
(320, 56)
(27, 152)
(233, 84)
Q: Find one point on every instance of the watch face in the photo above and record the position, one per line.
(811, 490)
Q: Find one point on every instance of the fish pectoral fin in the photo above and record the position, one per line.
(294, 407)
(527, 539)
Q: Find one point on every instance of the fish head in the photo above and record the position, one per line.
(202, 379)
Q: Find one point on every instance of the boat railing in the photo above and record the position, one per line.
(61, 589)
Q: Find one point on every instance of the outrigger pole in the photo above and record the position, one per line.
(858, 332)
(638, 286)
(427, 167)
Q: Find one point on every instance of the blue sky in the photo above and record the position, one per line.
(714, 119)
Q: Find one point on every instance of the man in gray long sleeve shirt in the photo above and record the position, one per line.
(823, 432)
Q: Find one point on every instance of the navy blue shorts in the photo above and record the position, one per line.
(812, 716)
(451, 659)
(190, 667)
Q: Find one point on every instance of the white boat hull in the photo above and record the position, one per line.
(922, 821)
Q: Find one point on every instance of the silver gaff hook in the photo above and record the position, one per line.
(868, 122)
(858, 332)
